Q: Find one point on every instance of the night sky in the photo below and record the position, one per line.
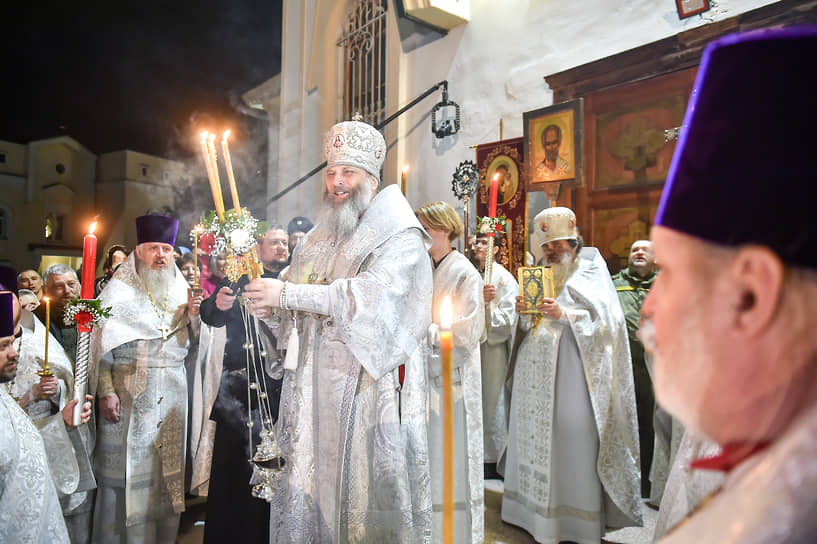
(143, 76)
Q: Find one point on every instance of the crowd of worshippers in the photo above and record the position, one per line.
(556, 400)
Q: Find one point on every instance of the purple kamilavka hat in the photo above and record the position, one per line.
(6, 314)
(156, 228)
(745, 168)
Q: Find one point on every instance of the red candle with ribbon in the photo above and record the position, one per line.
(88, 263)
(492, 195)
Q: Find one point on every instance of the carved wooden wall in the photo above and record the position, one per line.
(629, 100)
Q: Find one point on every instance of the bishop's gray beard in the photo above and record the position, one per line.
(157, 282)
(339, 221)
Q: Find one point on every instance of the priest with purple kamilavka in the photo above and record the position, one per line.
(138, 356)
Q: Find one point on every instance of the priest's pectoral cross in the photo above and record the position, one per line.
(165, 330)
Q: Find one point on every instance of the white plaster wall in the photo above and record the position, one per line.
(495, 65)
(307, 101)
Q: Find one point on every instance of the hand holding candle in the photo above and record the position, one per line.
(88, 263)
(446, 356)
(45, 371)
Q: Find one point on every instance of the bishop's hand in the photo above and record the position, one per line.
(264, 293)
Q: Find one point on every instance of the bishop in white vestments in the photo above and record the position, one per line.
(353, 306)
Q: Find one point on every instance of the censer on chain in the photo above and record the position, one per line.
(268, 461)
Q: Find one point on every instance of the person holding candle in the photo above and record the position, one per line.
(36, 463)
(29, 508)
(455, 277)
(190, 268)
(42, 398)
(61, 286)
(202, 385)
(356, 299)
(499, 297)
(137, 372)
(571, 463)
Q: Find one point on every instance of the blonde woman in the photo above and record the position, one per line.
(456, 277)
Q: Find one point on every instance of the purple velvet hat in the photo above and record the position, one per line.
(8, 279)
(156, 228)
(746, 163)
(6, 314)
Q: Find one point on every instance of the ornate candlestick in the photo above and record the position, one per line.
(45, 371)
(84, 313)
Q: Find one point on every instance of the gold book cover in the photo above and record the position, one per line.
(535, 284)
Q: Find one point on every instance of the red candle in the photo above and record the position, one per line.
(88, 263)
(493, 195)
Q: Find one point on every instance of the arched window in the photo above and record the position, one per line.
(364, 48)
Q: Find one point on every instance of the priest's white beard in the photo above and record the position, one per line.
(562, 271)
(339, 221)
(157, 282)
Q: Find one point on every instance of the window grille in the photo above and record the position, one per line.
(364, 58)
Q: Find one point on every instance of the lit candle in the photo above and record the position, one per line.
(206, 155)
(493, 195)
(196, 231)
(228, 163)
(209, 167)
(404, 179)
(88, 263)
(45, 370)
(446, 355)
(214, 165)
(212, 173)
